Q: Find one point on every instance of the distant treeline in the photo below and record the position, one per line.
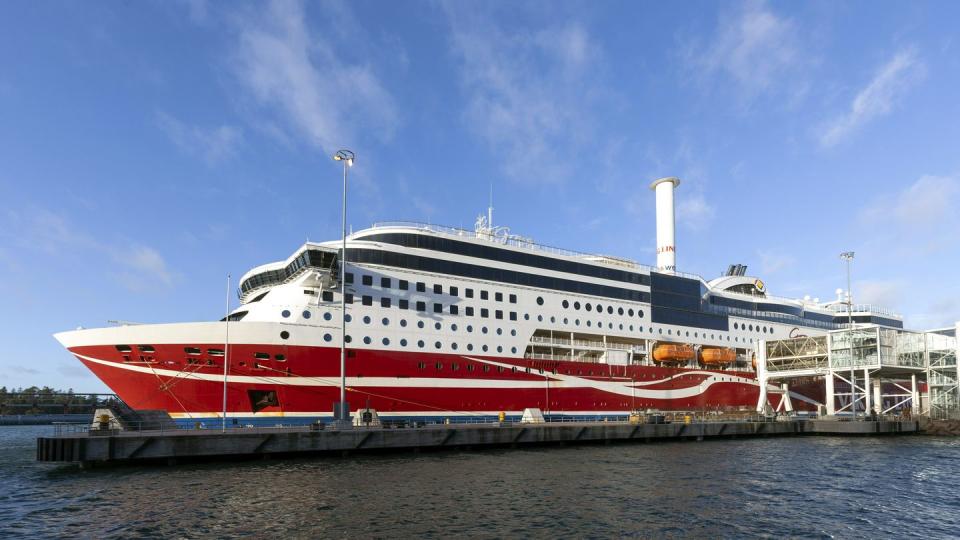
(46, 400)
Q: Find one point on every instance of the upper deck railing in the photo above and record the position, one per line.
(524, 243)
(871, 308)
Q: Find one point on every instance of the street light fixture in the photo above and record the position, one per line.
(848, 257)
(342, 408)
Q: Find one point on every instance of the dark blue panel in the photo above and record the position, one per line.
(662, 315)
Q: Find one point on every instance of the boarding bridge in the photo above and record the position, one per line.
(869, 370)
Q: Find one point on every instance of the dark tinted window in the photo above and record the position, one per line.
(327, 296)
(453, 310)
(384, 302)
(421, 306)
(438, 289)
(404, 303)
(484, 295)
(513, 299)
(349, 277)
(421, 286)
(385, 282)
(513, 315)
(469, 311)
(367, 300)
(498, 297)
(499, 314)
(484, 312)
(438, 308)
(348, 298)
(469, 293)
(367, 280)
(453, 291)
(404, 285)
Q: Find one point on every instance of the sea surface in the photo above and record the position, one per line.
(779, 487)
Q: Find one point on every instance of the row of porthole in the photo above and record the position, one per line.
(743, 326)
(420, 343)
(589, 307)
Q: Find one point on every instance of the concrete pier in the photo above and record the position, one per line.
(91, 448)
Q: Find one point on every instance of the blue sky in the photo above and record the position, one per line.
(149, 149)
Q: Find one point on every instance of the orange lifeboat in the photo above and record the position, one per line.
(673, 353)
(717, 356)
(753, 361)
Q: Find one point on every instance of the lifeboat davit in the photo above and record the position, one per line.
(717, 356)
(673, 353)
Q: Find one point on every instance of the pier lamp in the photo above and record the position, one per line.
(342, 408)
(848, 257)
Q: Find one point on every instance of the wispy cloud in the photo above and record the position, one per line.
(877, 98)
(289, 68)
(879, 292)
(528, 92)
(754, 47)
(928, 204)
(39, 230)
(695, 212)
(211, 144)
(772, 261)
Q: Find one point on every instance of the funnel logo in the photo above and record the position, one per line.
(666, 249)
(759, 285)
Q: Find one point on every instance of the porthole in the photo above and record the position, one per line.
(327, 316)
(347, 338)
(669, 332)
(751, 328)
(420, 343)
(306, 314)
(437, 345)
(513, 350)
(539, 300)
(553, 319)
(403, 323)
(609, 310)
(539, 318)
(403, 342)
(599, 308)
(577, 322)
(385, 341)
(284, 334)
(736, 326)
(285, 313)
(484, 329)
(660, 331)
(621, 326)
(631, 328)
(630, 312)
(513, 333)
(588, 307)
(566, 304)
(484, 348)
(469, 346)
(453, 327)
(526, 316)
(610, 326)
(419, 324)
(640, 313)
(566, 320)
(469, 328)
(348, 317)
(499, 348)
(385, 321)
(453, 346)
(366, 319)
(589, 323)
(328, 338)
(620, 311)
(576, 305)
(436, 326)
(688, 333)
(499, 331)
(366, 340)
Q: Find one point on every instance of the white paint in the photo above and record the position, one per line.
(666, 223)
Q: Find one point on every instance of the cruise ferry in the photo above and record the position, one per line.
(447, 323)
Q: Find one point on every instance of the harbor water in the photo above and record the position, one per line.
(795, 486)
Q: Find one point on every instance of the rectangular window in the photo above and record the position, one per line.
(349, 277)
(404, 285)
(498, 297)
(438, 308)
(308, 291)
(453, 291)
(499, 314)
(469, 311)
(438, 289)
(513, 315)
(513, 299)
(404, 303)
(454, 310)
(348, 298)
(484, 312)
(469, 293)
(367, 300)
(421, 306)
(367, 280)
(421, 286)
(385, 282)
(384, 302)
(484, 295)
(327, 296)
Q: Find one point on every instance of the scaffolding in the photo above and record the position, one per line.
(870, 370)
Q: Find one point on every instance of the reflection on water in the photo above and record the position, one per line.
(778, 487)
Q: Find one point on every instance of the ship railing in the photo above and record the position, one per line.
(560, 342)
(868, 308)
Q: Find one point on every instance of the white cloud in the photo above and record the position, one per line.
(211, 144)
(529, 93)
(885, 293)
(288, 67)
(877, 98)
(752, 46)
(772, 261)
(695, 212)
(148, 262)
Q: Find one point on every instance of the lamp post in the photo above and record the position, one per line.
(347, 157)
(848, 257)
